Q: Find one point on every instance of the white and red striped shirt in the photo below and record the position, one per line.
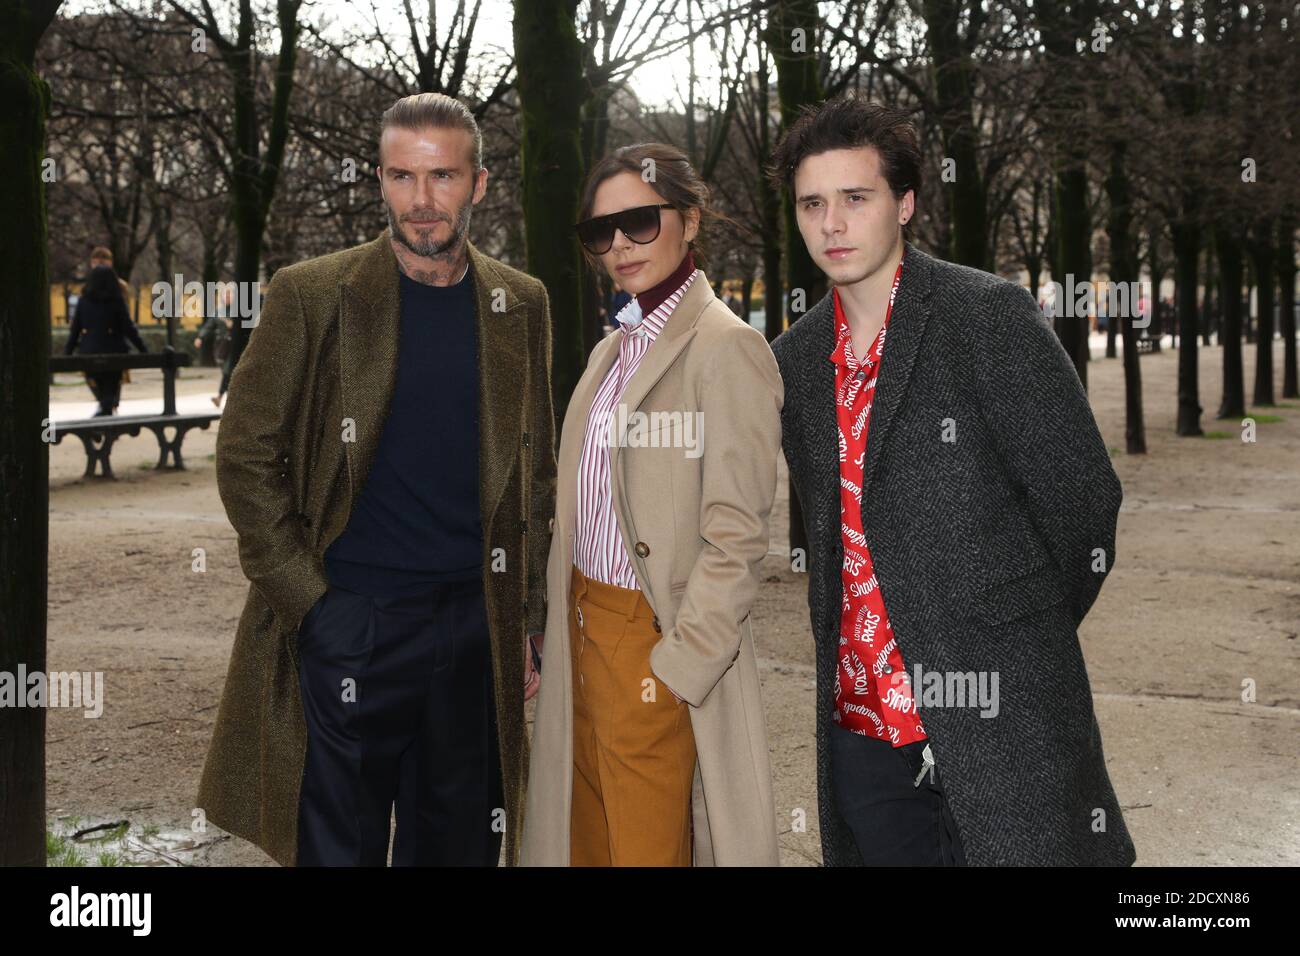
(598, 548)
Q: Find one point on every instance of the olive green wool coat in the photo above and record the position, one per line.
(308, 400)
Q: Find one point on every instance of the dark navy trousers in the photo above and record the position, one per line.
(894, 821)
(398, 699)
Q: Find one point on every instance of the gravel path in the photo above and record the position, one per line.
(1204, 601)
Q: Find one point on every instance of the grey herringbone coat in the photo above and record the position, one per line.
(989, 506)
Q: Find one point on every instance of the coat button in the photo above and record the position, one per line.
(642, 549)
(887, 669)
(656, 626)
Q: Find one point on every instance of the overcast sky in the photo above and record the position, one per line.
(653, 83)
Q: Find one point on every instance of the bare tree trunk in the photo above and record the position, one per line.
(1060, 28)
(769, 202)
(952, 69)
(1260, 245)
(1228, 254)
(1156, 267)
(595, 135)
(1209, 311)
(162, 232)
(551, 95)
(1111, 331)
(1286, 271)
(255, 173)
(797, 84)
(1124, 268)
(1074, 238)
(24, 407)
(1187, 254)
(1248, 316)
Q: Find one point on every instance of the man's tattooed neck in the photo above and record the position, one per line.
(444, 269)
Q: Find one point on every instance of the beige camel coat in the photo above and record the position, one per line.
(696, 528)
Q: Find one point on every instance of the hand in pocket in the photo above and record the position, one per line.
(312, 612)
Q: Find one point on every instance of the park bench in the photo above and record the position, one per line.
(98, 434)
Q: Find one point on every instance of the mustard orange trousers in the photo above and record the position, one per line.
(633, 749)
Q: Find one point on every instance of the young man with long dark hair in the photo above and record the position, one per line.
(960, 506)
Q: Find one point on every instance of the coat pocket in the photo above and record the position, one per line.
(1033, 590)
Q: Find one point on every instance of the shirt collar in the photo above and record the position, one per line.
(840, 355)
(630, 318)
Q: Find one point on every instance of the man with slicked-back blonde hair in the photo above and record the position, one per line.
(386, 459)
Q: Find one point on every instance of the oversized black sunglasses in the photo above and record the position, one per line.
(640, 224)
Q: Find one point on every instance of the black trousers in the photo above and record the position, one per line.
(107, 389)
(894, 823)
(398, 699)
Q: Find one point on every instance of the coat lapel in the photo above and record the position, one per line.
(902, 342)
(906, 332)
(821, 431)
(667, 346)
(676, 333)
(502, 367)
(574, 433)
(369, 328)
(369, 344)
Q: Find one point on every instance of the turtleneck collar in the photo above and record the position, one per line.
(653, 297)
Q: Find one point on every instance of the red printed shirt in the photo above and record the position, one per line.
(872, 694)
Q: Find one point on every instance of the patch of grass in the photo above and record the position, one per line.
(1217, 435)
(1263, 418)
(1113, 451)
(63, 850)
(60, 851)
(149, 831)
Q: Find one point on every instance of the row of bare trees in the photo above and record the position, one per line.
(1064, 139)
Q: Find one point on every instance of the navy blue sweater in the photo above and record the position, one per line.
(416, 521)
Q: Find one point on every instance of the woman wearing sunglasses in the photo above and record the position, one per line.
(649, 741)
